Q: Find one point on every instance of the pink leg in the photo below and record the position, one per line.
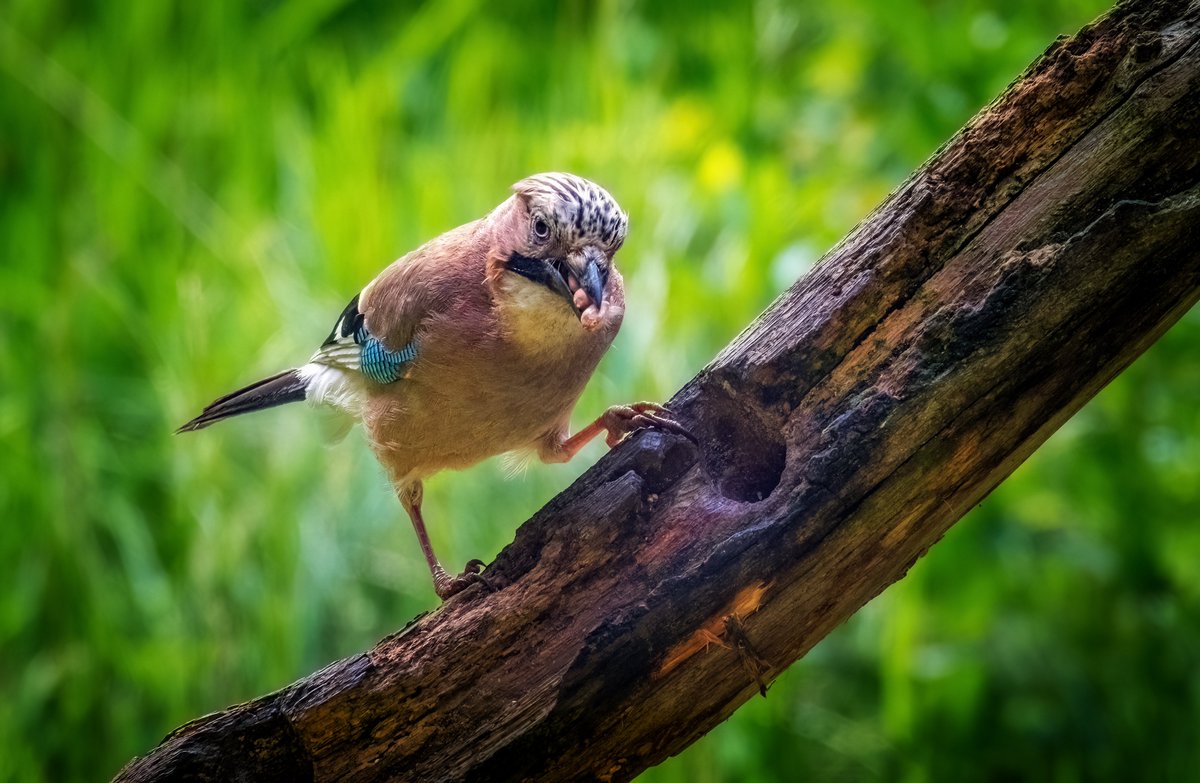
(444, 585)
(619, 421)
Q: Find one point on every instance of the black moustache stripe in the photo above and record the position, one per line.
(538, 270)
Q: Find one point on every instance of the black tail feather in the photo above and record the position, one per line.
(279, 389)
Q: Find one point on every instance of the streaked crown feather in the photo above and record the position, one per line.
(581, 211)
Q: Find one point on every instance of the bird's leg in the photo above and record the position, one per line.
(619, 421)
(411, 494)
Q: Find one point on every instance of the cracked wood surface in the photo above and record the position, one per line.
(1036, 255)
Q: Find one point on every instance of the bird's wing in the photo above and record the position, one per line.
(351, 346)
(378, 332)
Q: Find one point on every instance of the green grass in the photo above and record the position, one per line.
(189, 194)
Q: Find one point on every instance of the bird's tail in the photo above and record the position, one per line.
(279, 389)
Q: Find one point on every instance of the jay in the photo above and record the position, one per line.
(477, 343)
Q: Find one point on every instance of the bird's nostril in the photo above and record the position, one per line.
(560, 266)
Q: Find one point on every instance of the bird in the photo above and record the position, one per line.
(477, 343)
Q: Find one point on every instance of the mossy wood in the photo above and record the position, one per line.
(1027, 263)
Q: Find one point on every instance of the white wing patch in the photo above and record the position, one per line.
(350, 346)
(339, 373)
(341, 348)
(344, 353)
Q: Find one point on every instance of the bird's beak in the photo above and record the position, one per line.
(585, 278)
(579, 278)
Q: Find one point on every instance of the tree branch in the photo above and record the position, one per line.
(1033, 258)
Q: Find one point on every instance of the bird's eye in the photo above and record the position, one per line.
(541, 229)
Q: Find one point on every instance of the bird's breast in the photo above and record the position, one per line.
(465, 400)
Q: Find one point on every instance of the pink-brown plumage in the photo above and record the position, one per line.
(477, 343)
(492, 376)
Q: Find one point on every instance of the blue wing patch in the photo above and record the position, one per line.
(378, 363)
(351, 346)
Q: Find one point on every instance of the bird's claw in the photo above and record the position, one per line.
(623, 420)
(445, 585)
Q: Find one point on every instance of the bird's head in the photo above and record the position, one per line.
(556, 238)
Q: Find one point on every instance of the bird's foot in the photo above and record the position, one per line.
(445, 585)
(622, 420)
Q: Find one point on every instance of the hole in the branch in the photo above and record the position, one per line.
(743, 453)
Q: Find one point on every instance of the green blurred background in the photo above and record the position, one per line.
(192, 191)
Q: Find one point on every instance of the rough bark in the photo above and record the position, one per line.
(1026, 264)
